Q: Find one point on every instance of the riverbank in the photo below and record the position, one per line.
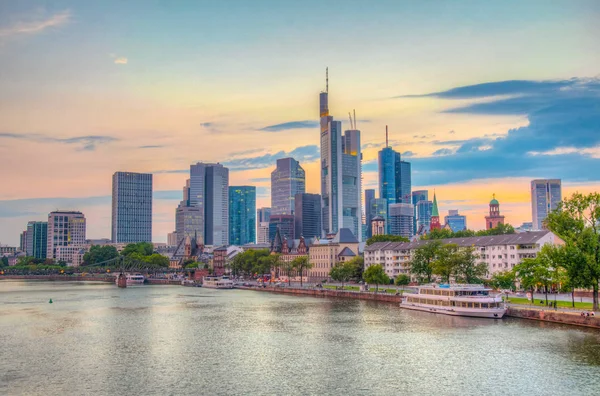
(533, 313)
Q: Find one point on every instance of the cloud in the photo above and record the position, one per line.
(290, 125)
(407, 154)
(207, 124)
(260, 179)
(560, 141)
(36, 24)
(121, 60)
(442, 151)
(301, 154)
(451, 132)
(246, 152)
(151, 147)
(86, 143)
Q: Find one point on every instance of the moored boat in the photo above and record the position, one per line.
(132, 279)
(217, 282)
(457, 300)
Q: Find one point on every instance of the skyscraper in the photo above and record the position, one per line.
(340, 172)
(66, 235)
(37, 239)
(307, 216)
(285, 224)
(263, 215)
(546, 194)
(394, 175)
(456, 221)
(287, 180)
(417, 196)
(423, 213)
(262, 234)
(242, 215)
(401, 219)
(369, 196)
(131, 207)
(204, 211)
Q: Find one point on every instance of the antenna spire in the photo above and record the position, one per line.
(354, 118)
(327, 79)
(386, 136)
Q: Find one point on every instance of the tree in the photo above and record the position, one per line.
(386, 238)
(423, 259)
(539, 271)
(99, 254)
(441, 233)
(142, 248)
(500, 229)
(300, 264)
(577, 222)
(358, 265)
(402, 280)
(287, 267)
(503, 280)
(447, 261)
(468, 270)
(376, 274)
(342, 272)
(4, 262)
(191, 265)
(157, 260)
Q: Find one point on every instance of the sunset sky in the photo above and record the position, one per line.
(480, 96)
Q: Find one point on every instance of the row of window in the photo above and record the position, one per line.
(446, 303)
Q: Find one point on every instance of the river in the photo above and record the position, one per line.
(172, 340)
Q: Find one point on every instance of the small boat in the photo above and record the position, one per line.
(132, 279)
(456, 300)
(217, 282)
(190, 283)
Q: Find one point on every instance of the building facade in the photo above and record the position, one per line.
(242, 215)
(307, 216)
(434, 221)
(416, 197)
(131, 207)
(341, 173)
(287, 180)
(188, 223)
(379, 208)
(37, 239)
(172, 238)
(324, 254)
(283, 223)
(378, 226)
(546, 194)
(400, 219)
(66, 235)
(263, 215)
(494, 218)
(369, 196)
(456, 221)
(423, 217)
(262, 233)
(498, 252)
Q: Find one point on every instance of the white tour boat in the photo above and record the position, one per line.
(217, 282)
(457, 300)
(132, 279)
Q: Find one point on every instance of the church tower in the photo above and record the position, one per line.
(494, 218)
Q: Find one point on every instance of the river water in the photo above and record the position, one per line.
(172, 340)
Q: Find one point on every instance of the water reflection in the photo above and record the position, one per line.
(169, 340)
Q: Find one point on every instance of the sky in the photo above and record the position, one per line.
(481, 98)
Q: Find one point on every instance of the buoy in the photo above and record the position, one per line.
(50, 302)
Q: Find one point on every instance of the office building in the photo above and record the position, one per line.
(394, 176)
(400, 219)
(263, 215)
(423, 212)
(455, 221)
(23, 241)
(287, 180)
(285, 224)
(203, 213)
(494, 218)
(172, 238)
(66, 235)
(340, 172)
(546, 194)
(242, 215)
(262, 233)
(131, 207)
(369, 196)
(37, 239)
(307, 216)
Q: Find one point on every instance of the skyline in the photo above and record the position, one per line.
(477, 105)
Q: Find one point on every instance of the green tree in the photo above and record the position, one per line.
(301, 264)
(191, 265)
(142, 248)
(375, 274)
(402, 280)
(4, 262)
(438, 234)
(287, 267)
(447, 261)
(157, 260)
(423, 258)
(503, 280)
(386, 238)
(358, 265)
(577, 222)
(500, 229)
(342, 272)
(99, 254)
(468, 270)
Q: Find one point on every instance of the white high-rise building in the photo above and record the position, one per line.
(66, 235)
(341, 170)
(546, 194)
(262, 235)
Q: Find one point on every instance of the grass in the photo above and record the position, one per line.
(559, 304)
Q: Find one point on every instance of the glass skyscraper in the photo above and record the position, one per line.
(307, 216)
(546, 194)
(456, 221)
(263, 215)
(287, 180)
(131, 207)
(369, 196)
(417, 196)
(242, 215)
(394, 177)
(37, 239)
